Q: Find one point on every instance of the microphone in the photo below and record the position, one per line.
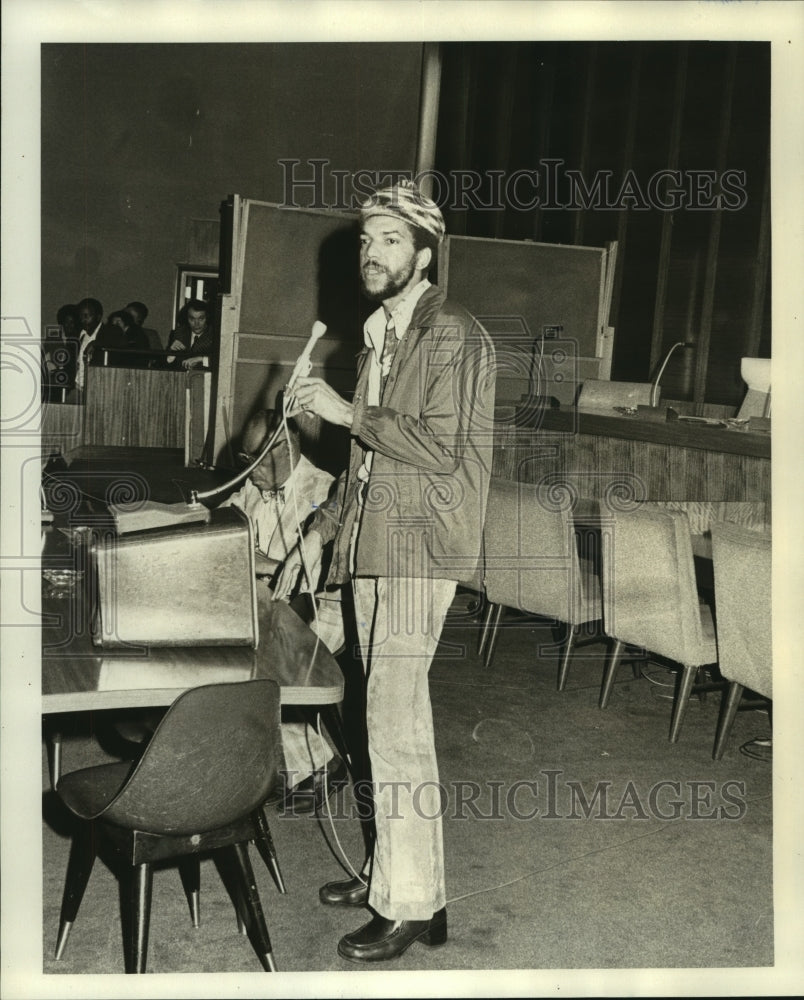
(301, 368)
(139, 517)
(654, 392)
(304, 364)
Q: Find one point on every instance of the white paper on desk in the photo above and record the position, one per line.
(602, 396)
(756, 373)
(122, 674)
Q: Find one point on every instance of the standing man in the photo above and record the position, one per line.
(407, 522)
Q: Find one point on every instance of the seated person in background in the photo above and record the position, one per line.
(133, 337)
(139, 313)
(60, 353)
(193, 339)
(279, 496)
(69, 322)
(95, 335)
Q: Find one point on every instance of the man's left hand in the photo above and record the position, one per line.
(195, 362)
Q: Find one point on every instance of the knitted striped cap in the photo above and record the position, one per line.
(405, 201)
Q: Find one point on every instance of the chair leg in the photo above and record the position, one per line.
(190, 872)
(700, 679)
(139, 918)
(251, 902)
(499, 611)
(54, 758)
(484, 631)
(566, 655)
(727, 713)
(684, 690)
(82, 857)
(610, 672)
(265, 845)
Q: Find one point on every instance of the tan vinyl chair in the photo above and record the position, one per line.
(650, 599)
(742, 567)
(532, 564)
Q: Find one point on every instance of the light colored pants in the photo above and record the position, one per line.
(399, 622)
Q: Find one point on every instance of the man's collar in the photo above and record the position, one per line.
(94, 334)
(377, 323)
(301, 469)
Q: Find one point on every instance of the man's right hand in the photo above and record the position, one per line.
(294, 565)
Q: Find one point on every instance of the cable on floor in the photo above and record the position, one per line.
(558, 864)
(759, 748)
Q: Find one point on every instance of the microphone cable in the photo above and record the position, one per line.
(349, 865)
(298, 523)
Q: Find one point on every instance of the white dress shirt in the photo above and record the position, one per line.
(276, 518)
(374, 333)
(80, 364)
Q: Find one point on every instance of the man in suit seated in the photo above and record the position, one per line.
(279, 496)
(194, 337)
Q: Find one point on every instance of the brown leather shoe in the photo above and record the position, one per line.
(381, 939)
(351, 892)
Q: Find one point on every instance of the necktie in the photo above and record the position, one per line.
(389, 348)
(277, 495)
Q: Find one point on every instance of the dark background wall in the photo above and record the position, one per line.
(142, 143)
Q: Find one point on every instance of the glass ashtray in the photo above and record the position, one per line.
(62, 581)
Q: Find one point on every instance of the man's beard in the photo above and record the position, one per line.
(392, 285)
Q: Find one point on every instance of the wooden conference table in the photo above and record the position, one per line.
(597, 463)
(79, 676)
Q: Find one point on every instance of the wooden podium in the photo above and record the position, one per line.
(139, 408)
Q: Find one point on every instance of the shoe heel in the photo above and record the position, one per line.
(437, 931)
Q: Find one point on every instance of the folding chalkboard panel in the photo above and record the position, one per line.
(299, 266)
(543, 304)
(542, 284)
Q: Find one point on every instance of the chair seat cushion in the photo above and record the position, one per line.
(87, 792)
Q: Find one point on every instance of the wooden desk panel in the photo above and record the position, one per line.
(135, 407)
(61, 427)
(652, 461)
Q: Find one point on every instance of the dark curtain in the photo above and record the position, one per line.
(618, 111)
